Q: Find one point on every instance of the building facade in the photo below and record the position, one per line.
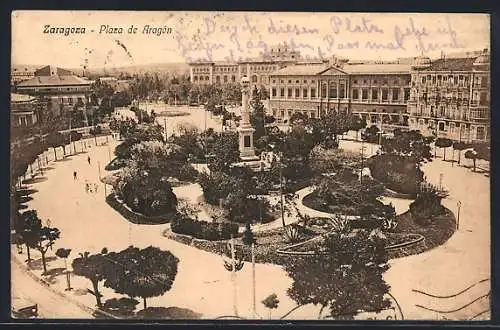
(450, 97)
(258, 70)
(376, 92)
(22, 110)
(58, 88)
(21, 73)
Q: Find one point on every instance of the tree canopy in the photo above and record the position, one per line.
(345, 274)
(144, 273)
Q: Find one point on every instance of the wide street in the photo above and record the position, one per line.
(88, 223)
(27, 290)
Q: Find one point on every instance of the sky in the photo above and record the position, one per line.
(108, 39)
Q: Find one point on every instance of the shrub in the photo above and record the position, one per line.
(204, 230)
(398, 173)
(292, 234)
(427, 205)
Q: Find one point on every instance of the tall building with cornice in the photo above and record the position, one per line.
(450, 97)
(60, 89)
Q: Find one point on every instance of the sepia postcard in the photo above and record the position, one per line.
(250, 165)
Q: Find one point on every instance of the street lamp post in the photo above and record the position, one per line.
(459, 204)
(281, 191)
(362, 163)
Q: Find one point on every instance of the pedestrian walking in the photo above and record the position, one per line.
(74, 175)
(88, 159)
(87, 187)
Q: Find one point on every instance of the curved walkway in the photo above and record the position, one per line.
(202, 284)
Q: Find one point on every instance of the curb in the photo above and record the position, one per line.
(42, 281)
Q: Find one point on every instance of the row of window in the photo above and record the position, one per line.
(396, 95)
(296, 81)
(225, 79)
(217, 69)
(201, 78)
(294, 92)
(201, 70)
(454, 128)
(290, 112)
(383, 82)
(450, 80)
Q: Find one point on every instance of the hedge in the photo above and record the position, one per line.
(135, 217)
(211, 231)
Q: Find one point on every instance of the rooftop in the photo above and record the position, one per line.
(452, 64)
(301, 70)
(393, 68)
(54, 81)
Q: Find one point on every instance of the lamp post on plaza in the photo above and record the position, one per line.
(459, 205)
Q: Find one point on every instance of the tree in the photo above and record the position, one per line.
(271, 302)
(472, 154)
(409, 144)
(357, 124)
(225, 151)
(55, 140)
(248, 238)
(94, 267)
(146, 191)
(28, 228)
(427, 205)
(63, 253)
(371, 134)
(443, 143)
(345, 274)
(459, 145)
(37, 236)
(143, 273)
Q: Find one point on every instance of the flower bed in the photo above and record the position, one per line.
(211, 231)
(135, 217)
(265, 249)
(435, 234)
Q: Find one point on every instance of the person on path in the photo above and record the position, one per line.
(88, 159)
(74, 175)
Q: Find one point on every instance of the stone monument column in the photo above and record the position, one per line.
(245, 131)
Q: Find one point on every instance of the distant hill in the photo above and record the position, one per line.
(173, 68)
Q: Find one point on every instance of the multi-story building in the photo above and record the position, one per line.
(22, 110)
(376, 91)
(60, 89)
(21, 73)
(450, 97)
(257, 70)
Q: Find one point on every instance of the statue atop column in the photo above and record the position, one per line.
(245, 131)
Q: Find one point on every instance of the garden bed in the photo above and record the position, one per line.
(314, 202)
(135, 217)
(265, 249)
(435, 234)
(173, 113)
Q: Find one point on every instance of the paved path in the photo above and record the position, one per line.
(87, 223)
(50, 304)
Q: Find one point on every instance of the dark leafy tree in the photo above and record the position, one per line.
(248, 237)
(143, 273)
(345, 274)
(459, 145)
(225, 151)
(472, 154)
(63, 253)
(427, 205)
(271, 302)
(443, 143)
(94, 267)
